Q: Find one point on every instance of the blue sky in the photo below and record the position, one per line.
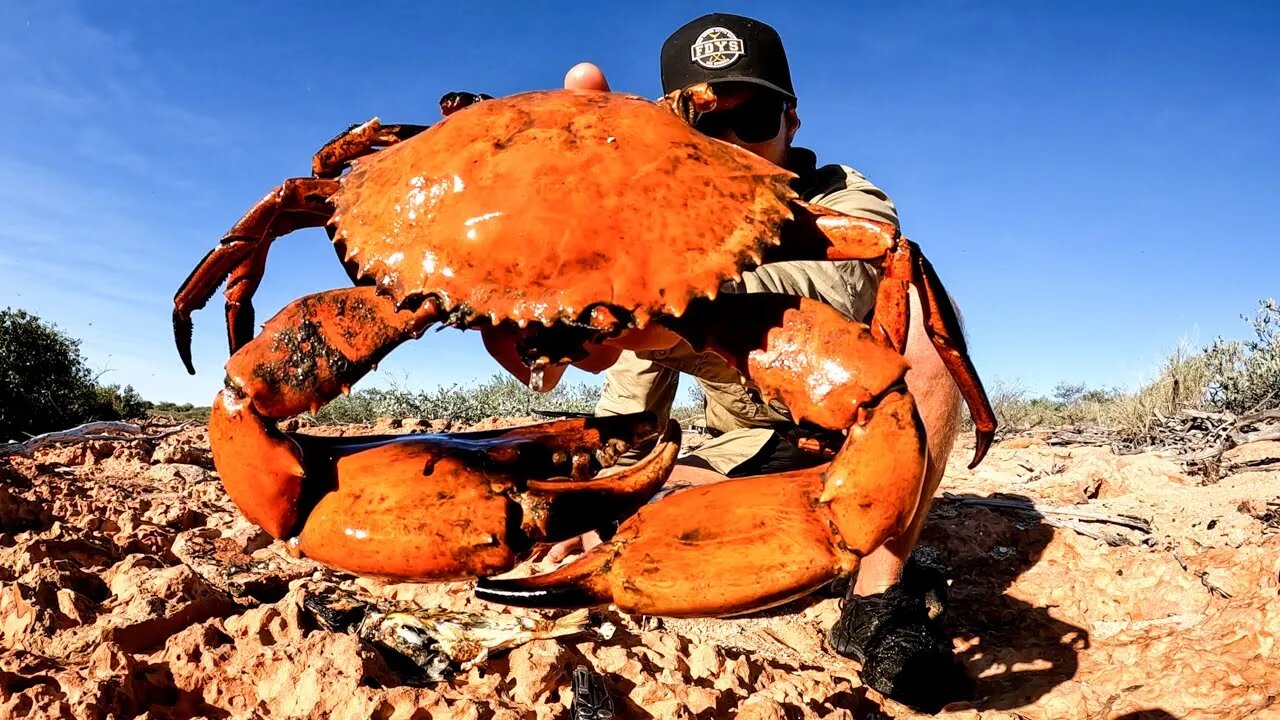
(1095, 181)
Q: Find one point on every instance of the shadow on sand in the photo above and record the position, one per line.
(1018, 652)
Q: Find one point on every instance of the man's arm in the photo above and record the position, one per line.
(843, 189)
(848, 286)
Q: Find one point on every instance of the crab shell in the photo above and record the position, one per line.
(665, 214)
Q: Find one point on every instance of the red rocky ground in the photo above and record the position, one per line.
(130, 587)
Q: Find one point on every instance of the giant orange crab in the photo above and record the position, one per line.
(566, 226)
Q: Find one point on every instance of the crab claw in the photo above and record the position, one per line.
(443, 507)
(721, 549)
(745, 544)
(417, 507)
(751, 543)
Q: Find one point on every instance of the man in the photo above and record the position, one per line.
(745, 63)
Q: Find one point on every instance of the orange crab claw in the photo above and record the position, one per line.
(745, 544)
(424, 508)
(417, 507)
(750, 543)
(335, 337)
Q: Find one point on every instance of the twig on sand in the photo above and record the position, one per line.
(88, 432)
(1203, 577)
(1068, 518)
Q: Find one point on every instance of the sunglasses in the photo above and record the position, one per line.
(752, 121)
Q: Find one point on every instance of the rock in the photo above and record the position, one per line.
(1262, 452)
(18, 513)
(136, 590)
(177, 474)
(181, 449)
(538, 668)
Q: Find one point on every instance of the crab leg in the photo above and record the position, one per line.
(359, 140)
(362, 139)
(241, 256)
(823, 234)
(750, 543)
(452, 102)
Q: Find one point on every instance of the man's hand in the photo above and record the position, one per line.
(585, 76)
(566, 549)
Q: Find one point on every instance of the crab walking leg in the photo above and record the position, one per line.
(313, 349)
(370, 136)
(751, 543)
(358, 140)
(241, 256)
(824, 234)
(452, 102)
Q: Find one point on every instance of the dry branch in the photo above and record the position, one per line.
(1198, 438)
(88, 432)
(1068, 518)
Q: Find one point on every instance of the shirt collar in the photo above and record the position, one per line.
(804, 163)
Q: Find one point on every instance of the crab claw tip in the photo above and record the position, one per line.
(182, 338)
(578, 584)
(981, 446)
(516, 593)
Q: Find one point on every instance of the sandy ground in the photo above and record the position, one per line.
(130, 587)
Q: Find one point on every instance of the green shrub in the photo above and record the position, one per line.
(120, 402)
(1245, 376)
(44, 382)
(500, 396)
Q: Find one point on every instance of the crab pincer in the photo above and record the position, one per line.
(747, 544)
(411, 507)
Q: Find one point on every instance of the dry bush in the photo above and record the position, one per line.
(1227, 376)
(500, 396)
(1180, 385)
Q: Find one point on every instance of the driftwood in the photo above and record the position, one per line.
(88, 432)
(1069, 518)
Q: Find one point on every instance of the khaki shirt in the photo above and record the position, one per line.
(735, 414)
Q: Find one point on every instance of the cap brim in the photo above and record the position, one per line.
(753, 81)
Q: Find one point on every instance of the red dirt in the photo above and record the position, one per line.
(130, 587)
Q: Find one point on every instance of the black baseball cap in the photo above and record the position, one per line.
(726, 48)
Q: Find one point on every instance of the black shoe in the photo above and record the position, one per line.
(896, 636)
